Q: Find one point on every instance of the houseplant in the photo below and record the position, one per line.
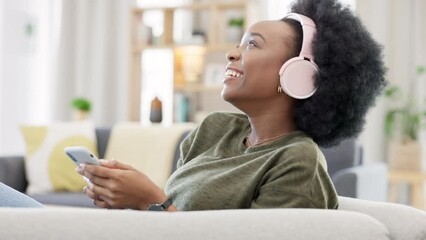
(82, 107)
(235, 29)
(403, 122)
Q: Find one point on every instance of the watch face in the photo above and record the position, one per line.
(156, 207)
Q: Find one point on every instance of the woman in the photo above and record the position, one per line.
(304, 80)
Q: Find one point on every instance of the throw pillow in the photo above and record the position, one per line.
(47, 166)
(149, 149)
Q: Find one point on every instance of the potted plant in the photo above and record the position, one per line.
(402, 125)
(82, 107)
(235, 29)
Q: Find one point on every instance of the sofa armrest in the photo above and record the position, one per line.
(403, 222)
(367, 182)
(12, 172)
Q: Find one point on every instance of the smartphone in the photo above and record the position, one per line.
(81, 155)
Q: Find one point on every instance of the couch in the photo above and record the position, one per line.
(123, 141)
(355, 219)
(351, 177)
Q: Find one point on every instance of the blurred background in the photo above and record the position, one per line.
(120, 55)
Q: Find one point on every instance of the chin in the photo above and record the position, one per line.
(226, 95)
(229, 97)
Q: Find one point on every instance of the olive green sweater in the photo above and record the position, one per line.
(217, 171)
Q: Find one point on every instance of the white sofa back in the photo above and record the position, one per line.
(357, 220)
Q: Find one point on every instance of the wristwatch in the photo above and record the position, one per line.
(160, 206)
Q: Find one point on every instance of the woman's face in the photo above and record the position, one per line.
(252, 71)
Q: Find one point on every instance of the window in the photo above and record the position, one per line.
(157, 81)
(25, 71)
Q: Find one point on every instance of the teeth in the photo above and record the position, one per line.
(233, 73)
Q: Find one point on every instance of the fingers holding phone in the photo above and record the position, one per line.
(80, 156)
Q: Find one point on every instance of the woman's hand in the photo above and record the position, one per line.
(117, 185)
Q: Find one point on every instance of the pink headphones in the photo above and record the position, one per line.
(297, 75)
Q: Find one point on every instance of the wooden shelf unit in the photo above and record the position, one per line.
(213, 43)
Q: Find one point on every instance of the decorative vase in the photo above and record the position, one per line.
(156, 114)
(80, 115)
(405, 156)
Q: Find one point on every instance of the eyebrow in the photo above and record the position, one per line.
(258, 34)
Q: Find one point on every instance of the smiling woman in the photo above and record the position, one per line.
(261, 53)
(269, 156)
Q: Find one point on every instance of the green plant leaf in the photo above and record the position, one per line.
(413, 123)
(238, 22)
(405, 115)
(420, 70)
(390, 122)
(392, 91)
(81, 104)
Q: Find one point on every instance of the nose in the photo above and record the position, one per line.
(233, 55)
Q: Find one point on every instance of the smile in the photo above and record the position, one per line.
(233, 73)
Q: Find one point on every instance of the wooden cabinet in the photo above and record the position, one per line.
(208, 31)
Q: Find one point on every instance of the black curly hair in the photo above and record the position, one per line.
(351, 75)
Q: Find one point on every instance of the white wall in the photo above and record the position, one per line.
(399, 26)
(14, 59)
(373, 15)
(25, 78)
(1, 71)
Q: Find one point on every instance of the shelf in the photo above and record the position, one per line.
(212, 19)
(230, 5)
(138, 48)
(193, 6)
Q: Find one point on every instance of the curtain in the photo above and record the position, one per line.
(27, 43)
(93, 58)
(399, 26)
(55, 50)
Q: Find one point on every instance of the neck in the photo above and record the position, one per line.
(266, 128)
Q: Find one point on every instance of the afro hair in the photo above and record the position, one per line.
(351, 73)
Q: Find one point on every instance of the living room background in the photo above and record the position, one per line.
(51, 51)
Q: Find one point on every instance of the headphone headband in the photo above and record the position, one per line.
(297, 75)
(309, 30)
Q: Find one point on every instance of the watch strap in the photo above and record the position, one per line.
(160, 206)
(167, 204)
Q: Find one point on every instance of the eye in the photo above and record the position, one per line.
(251, 44)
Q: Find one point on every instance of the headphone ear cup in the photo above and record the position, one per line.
(297, 78)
